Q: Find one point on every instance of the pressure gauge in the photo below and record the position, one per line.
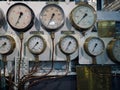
(94, 46)
(52, 17)
(113, 50)
(2, 18)
(36, 44)
(83, 16)
(20, 17)
(7, 45)
(68, 44)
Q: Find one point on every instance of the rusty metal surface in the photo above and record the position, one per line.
(93, 77)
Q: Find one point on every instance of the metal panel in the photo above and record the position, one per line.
(108, 15)
(93, 77)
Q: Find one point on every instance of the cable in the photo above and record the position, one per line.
(39, 77)
(34, 68)
(26, 77)
(55, 76)
(10, 82)
(19, 65)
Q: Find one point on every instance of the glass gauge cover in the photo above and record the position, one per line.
(20, 17)
(52, 17)
(7, 45)
(68, 44)
(83, 16)
(113, 50)
(94, 46)
(36, 44)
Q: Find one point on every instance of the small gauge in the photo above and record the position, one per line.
(83, 16)
(36, 44)
(2, 18)
(94, 46)
(68, 44)
(20, 17)
(52, 17)
(7, 45)
(113, 50)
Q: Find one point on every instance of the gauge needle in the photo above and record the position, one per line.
(21, 13)
(51, 18)
(82, 18)
(94, 47)
(68, 45)
(3, 44)
(35, 45)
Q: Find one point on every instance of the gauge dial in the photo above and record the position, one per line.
(7, 45)
(36, 44)
(20, 17)
(113, 50)
(68, 44)
(94, 46)
(83, 16)
(52, 17)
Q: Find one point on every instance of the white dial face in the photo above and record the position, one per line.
(36, 44)
(95, 46)
(6, 45)
(52, 16)
(68, 44)
(84, 16)
(19, 16)
(116, 50)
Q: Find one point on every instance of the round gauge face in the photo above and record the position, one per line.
(94, 46)
(113, 50)
(52, 17)
(20, 17)
(68, 44)
(7, 45)
(36, 44)
(83, 16)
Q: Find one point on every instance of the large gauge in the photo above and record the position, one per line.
(36, 44)
(94, 46)
(52, 17)
(7, 45)
(83, 16)
(20, 17)
(113, 50)
(68, 44)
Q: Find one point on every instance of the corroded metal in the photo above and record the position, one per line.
(93, 77)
